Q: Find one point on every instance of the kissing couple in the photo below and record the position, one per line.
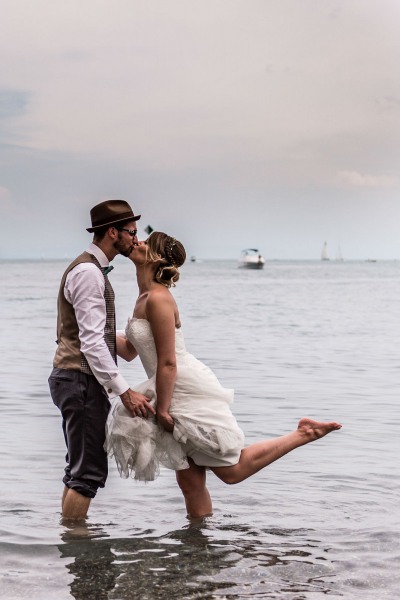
(180, 417)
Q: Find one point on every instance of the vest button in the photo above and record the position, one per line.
(109, 390)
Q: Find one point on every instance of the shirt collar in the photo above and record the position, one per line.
(99, 254)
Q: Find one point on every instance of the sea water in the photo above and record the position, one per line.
(295, 339)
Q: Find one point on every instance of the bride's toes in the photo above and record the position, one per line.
(317, 429)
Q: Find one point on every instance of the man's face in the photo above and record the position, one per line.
(127, 238)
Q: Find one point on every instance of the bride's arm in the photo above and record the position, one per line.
(125, 349)
(161, 315)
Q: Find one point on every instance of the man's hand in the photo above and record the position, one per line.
(137, 404)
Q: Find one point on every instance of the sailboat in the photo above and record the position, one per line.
(339, 255)
(324, 253)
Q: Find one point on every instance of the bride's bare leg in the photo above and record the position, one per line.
(261, 454)
(192, 482)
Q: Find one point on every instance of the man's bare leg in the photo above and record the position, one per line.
(74, 505)
(65, 492)
(261, 454)
(192, 482)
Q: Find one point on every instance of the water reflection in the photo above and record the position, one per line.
(92, 562)
(198, 561)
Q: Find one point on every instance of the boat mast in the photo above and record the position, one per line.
(324, 253)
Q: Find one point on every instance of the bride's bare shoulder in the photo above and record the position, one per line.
(159, 294)
(159, 297)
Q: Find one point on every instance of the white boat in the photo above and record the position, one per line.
(324, 253)
(251, 258)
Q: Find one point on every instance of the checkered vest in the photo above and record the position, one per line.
(68, 354)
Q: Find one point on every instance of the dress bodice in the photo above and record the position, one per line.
(138, 332)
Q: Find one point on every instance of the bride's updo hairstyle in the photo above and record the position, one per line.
(172, 254)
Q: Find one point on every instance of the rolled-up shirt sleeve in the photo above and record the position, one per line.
(84, 289)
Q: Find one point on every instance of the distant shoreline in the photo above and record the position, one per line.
(227, 260)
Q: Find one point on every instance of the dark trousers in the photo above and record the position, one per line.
(84, 406)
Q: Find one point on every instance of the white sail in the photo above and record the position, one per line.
(324, 253)
(339, 255)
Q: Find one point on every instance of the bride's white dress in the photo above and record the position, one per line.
(205, 428)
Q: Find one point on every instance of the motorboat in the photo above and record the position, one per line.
(251, 258)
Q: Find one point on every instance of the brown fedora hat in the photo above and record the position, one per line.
(111, 212)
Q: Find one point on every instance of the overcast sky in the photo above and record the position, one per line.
(227, 123)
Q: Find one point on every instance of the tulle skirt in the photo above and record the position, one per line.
(139, 446)
(205, 429)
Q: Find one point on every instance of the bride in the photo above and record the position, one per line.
(194, 428)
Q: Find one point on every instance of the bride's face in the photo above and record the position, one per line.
(138, 254)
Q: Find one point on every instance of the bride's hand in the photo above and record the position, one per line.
(166, 421)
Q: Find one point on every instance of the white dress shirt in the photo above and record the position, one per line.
(84, 289)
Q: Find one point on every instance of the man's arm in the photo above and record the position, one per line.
(84, 289)
(125, 349)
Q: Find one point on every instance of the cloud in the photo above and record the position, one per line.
(356, 179)
(285, 108)
(4, 194)
(6, 204)
(13, 103)
(388, 103)
(141, 86)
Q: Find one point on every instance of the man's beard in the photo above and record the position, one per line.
(124, 251)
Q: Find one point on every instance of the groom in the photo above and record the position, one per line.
(85, 374)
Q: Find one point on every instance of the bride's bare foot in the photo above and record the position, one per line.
(313, 430)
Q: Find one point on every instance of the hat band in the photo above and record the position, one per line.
(113, 219)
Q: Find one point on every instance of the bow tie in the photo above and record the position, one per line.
(106, 270)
